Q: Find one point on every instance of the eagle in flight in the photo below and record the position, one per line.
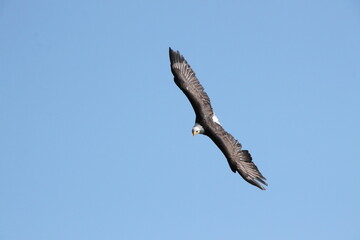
(208, 124)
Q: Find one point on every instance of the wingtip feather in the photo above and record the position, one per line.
(253, 175)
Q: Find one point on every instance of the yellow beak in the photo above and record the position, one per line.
(194, 133)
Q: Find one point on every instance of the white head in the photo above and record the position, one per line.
(197, 129)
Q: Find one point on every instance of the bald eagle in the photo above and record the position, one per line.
(208, 124)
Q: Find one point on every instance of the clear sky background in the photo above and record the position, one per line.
(95, 137)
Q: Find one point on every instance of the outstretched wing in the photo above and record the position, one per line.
(239, 160)
(187, 81)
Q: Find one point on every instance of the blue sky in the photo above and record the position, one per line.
(96, 138)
